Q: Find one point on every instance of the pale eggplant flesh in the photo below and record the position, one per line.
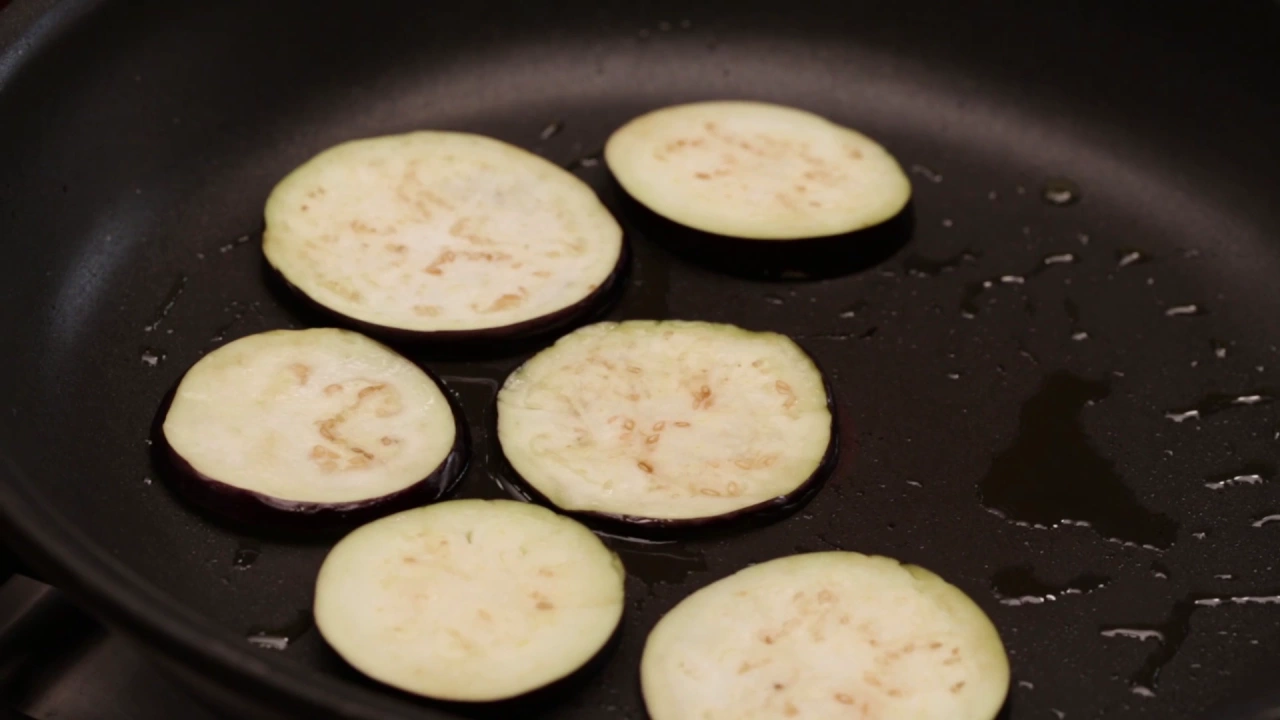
(443, 237)
(309, 430)
(470, 601)
(826, 636)
(665, 428)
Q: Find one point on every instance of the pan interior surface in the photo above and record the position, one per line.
(1058, 395)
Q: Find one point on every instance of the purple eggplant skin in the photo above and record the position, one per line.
(757, 515)
(501, 338)
(806, 259)
(262, 514)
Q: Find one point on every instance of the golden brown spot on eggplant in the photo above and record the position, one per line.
(505, 302)
(300, 371)
(484, 614)
(398, 248)
(332, 389)
(680, 423)
(709, 492)
(702, 398)
(957, 687)
(629, 424)
(341, 289)
(779, 686)
(702, 176)
(490, 257)
(546, 572)
(388, 440)
(844, 699)
(790, 710)
(444, 258)
(538, 273)
(652, 439)
(658, 426)
(646, 467)
(734, 490)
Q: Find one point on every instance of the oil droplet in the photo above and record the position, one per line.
(152, 358)
(1125, 258)
(919, 266)
(1254, 473)
(246, 555)
(1026, 685)
(853, 310)
(1060, 192)
(551, 130)
(1142, 691)
(1218, 402)
(1219, 349)
(238, 242)
(927, 173)
(953, 375)
(1133, 634)
(1079, 336)
(1184, 310)
(1052, 474)
(280, 638)
(166, 306)
(1017, 586)
(586, 161)
(1160, 571)
(773, 299)
(1267, 520)
(1060, 259)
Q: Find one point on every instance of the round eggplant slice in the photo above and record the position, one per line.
(443, 236)
(470, 600)
(822, 636)
(668, 424)
(756, 171)
(320, 424)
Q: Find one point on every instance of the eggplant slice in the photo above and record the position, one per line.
(756, 171)
(443, 236)
(470, 600)
(668, 423)
(314, 425)
(826, 636)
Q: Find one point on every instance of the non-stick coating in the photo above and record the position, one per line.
(138, 141)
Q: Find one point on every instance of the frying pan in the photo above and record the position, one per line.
(1095, 255)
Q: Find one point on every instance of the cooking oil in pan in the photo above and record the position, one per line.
(1052, 475)
(1019, 585)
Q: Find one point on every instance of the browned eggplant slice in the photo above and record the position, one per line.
(826, 636)
(470, 600)
(667, 424)
(312, 428)
(443, 236)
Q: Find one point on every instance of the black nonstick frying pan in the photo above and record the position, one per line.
(1059, 394)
